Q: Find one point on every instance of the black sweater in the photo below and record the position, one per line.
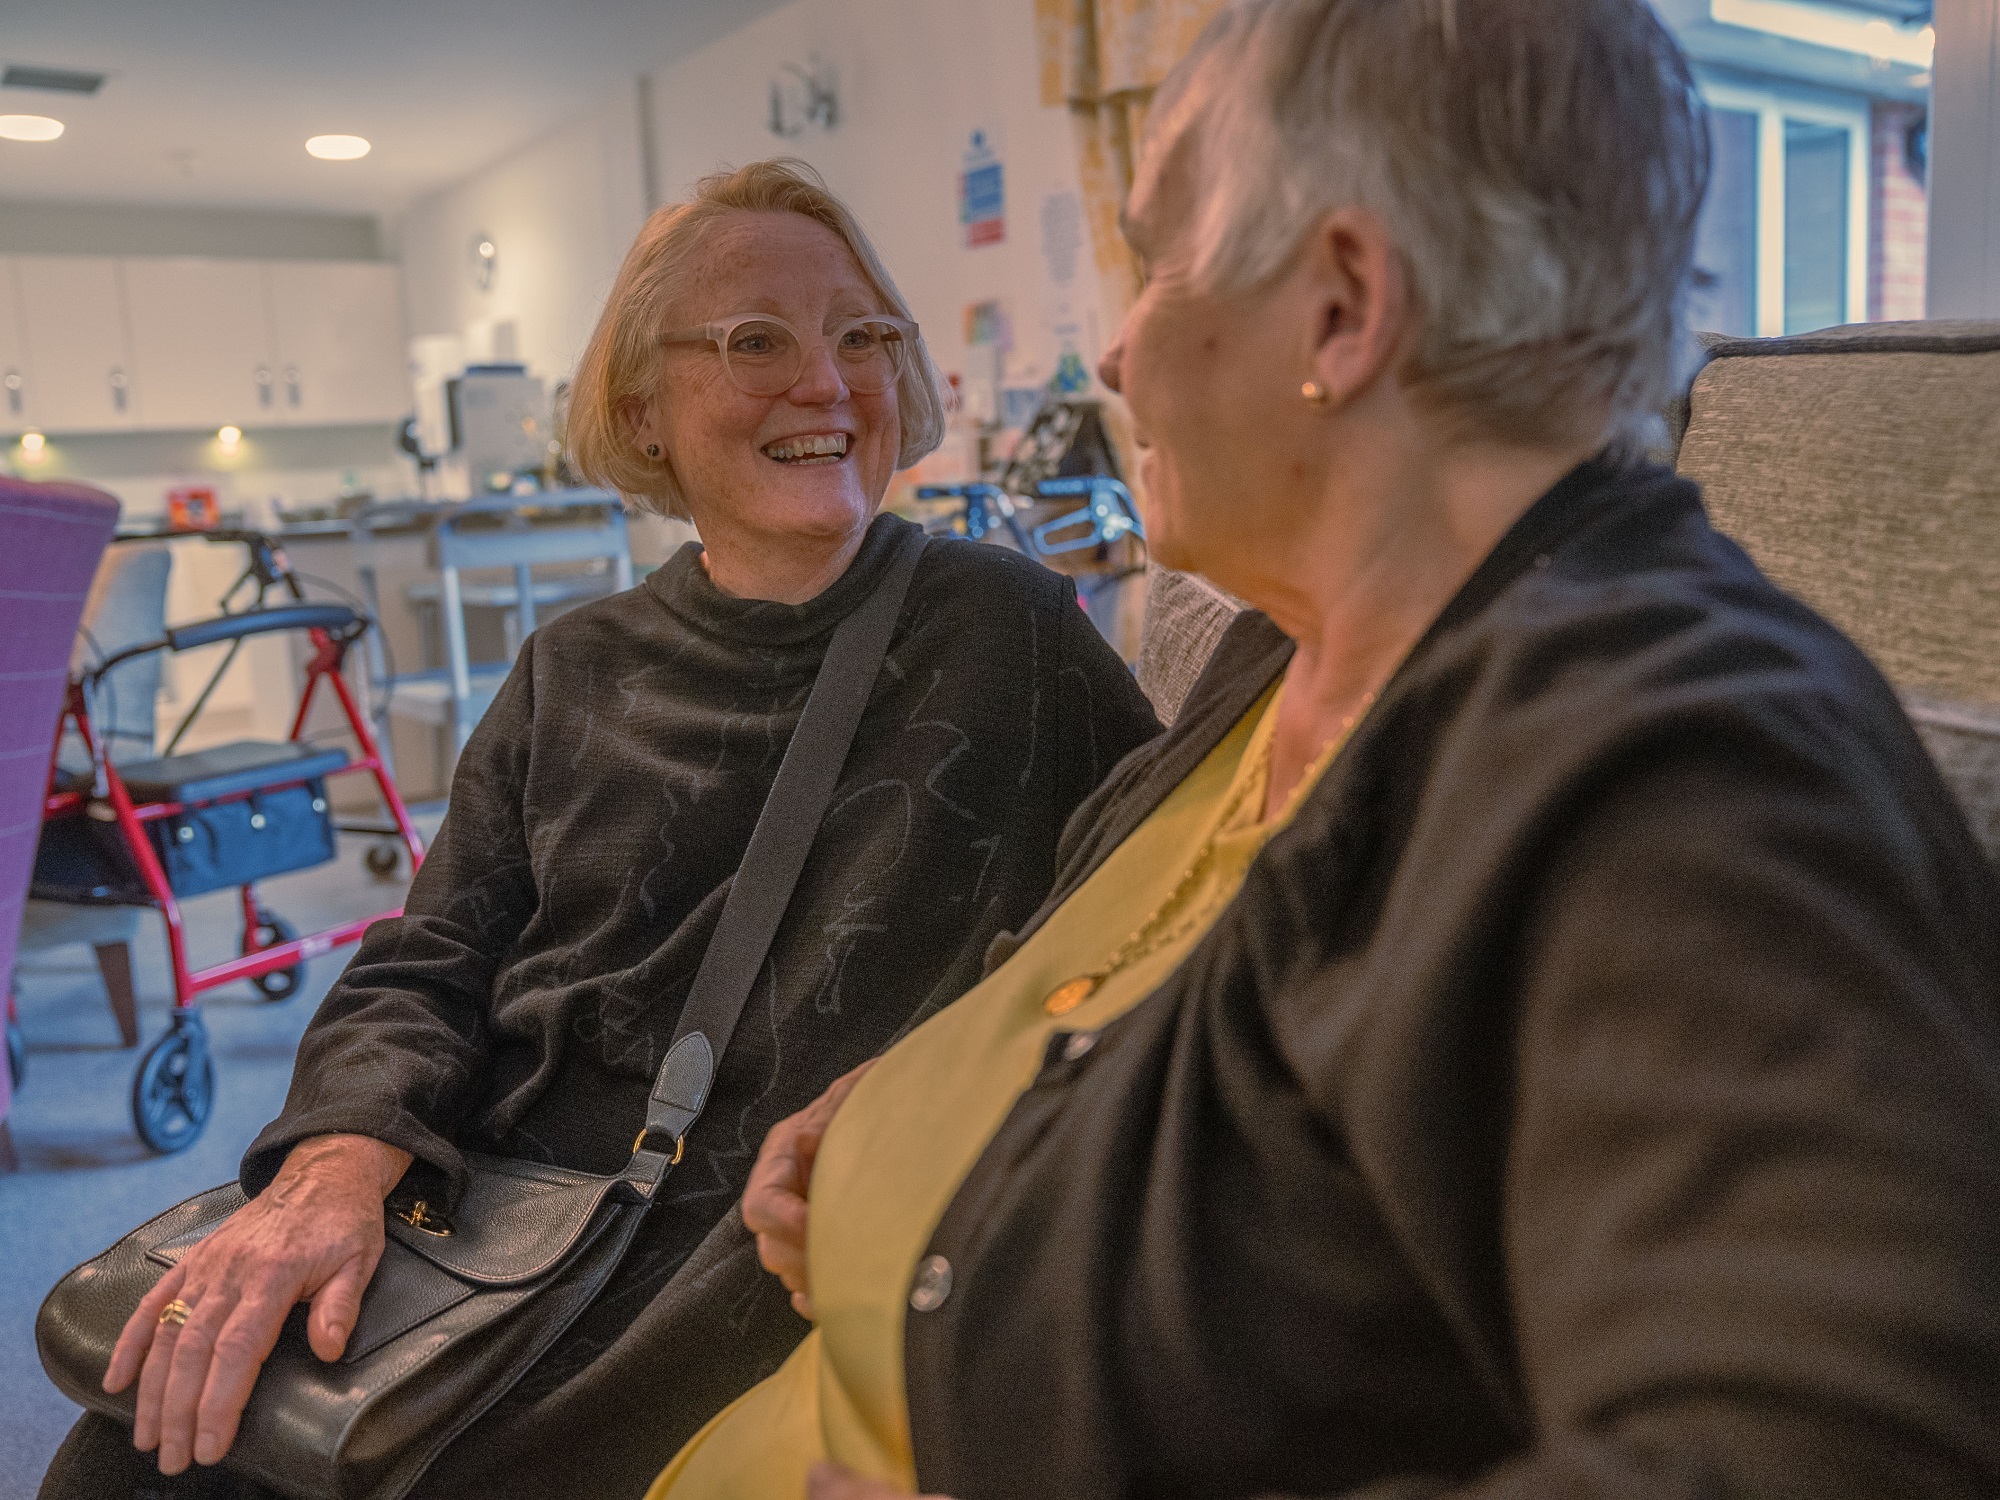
(523, 1001)
(1594, 1093)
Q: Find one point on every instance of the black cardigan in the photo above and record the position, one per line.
(522, 1002)
(1595, 1092)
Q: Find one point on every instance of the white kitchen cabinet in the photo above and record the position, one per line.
(16, 415)
(337, 331)
(80, 375)
(98, 344)
(201, 342)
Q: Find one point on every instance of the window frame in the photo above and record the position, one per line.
(1772, 104)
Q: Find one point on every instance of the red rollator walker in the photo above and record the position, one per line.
(155, 832)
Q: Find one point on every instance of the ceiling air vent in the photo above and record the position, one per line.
(57, 80)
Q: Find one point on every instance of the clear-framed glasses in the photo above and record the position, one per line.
(765, 355)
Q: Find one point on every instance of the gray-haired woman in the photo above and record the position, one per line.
(754, 369)
(1530, 1028)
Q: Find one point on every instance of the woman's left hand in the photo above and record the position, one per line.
(774, 1202)
(832, 1482)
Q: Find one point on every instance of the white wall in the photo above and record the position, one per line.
(916, 77)
(560, 212)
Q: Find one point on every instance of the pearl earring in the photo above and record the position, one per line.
(652, 450)
(1316, 393)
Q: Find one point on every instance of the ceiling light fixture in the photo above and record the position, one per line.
(29, 128)
(338, 147)
(1823, 27)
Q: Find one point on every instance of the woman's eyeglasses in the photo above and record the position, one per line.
(765, 356)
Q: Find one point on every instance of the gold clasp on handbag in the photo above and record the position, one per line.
(419, 1216)
(680, 1145)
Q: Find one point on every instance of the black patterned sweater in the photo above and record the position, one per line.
(522, 1002)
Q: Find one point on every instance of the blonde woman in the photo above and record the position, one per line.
(756, 371)
(1530, 1029)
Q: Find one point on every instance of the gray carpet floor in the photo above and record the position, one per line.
(85, 1178)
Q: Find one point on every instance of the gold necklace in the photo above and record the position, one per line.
(1151, 935)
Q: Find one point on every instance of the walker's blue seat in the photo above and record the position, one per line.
(227, 770)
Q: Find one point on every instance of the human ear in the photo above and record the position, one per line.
(1360, 295)
(641, 425)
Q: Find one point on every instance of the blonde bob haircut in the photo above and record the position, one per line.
(621, 366)
(1539, 164)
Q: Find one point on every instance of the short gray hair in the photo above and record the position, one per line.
(621, 364)
(1539, 163)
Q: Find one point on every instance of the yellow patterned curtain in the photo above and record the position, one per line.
(1103, 59)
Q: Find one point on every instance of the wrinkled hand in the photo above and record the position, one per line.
(832, 1482)
(314, 1235)
(774, 1203)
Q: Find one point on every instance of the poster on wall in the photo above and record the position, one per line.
(982, 193)
(1062, 245)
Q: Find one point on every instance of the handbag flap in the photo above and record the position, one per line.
(517, 1221)
(406, 1291)
(207, 1211)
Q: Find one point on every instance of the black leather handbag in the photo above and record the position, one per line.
(460, 1308)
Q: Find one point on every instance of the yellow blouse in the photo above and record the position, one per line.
(912, 1130)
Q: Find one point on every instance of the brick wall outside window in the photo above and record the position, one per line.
(1897, 218)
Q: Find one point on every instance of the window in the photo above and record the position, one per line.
(1782, 246)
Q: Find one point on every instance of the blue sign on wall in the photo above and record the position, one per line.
(982, 195)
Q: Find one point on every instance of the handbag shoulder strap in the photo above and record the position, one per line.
(777, 853)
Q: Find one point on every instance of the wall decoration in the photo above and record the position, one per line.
(483, 262)
(988, 323)
(804, 98)
(1071, 377)
(982, 196)
(1063, 239)
(1062, 236)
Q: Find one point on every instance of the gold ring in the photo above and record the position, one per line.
(175, 1312)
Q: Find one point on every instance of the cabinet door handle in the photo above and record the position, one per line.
(292, 385)
(14, 383)
(117, 389)
(264, 386)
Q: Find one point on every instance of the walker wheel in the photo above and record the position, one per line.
(17, 1055)
(383, 860)
(272, 929)
(174, 1089)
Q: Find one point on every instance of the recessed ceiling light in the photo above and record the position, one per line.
(338, 147)
(29, 128)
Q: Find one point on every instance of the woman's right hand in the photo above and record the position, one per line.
(774, 1204)
(314, 1235)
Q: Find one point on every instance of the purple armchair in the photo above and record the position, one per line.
(51, 537)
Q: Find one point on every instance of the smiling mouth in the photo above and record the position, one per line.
(822, 448)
